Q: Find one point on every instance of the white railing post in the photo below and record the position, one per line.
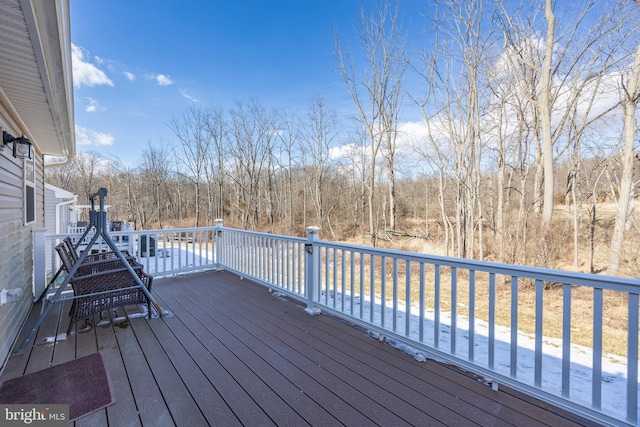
(312, 264)
(39, 262)
(218, 243)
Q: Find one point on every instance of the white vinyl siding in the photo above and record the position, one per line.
(16, 251)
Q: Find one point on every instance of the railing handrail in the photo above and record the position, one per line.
(616, 283)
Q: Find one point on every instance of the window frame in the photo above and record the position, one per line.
(29, 191)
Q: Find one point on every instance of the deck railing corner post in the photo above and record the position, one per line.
(39, 261)
(218, 242)
(312, 264)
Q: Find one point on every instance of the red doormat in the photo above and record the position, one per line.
(83, 384)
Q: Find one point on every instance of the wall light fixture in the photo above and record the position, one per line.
(21, 145)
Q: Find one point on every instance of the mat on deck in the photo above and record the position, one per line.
(82, 383)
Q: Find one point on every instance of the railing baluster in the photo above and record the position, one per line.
(454, 308)
(251, 247)
(383, 290)
(327, 278)
(407, 315)
(596, 374)
(632, 359)
(538, 334)
(372, 287)
(275, 252)
(395, 294)
(318, 273)
(262, 249)
(289, 264)
(285, 266)
(421, 305)
(352, 296)
(361, 291)
(284, 255)
(436, 305)
(278, 271)
(472, 313)
(263, 244)
(514, 327)
(194, 247)
(300, 269)
(335, 276)
(492, 320)
(343, 279)
(566, 339)
(272, 261)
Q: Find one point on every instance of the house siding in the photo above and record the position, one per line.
(50, 202)
(16, 252)
(36, 100)
(57, 203)
(57, 209)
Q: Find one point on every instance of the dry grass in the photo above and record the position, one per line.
(615, 311)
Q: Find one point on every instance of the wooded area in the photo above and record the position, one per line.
(525, 152)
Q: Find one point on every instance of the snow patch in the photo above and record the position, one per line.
(406, 321)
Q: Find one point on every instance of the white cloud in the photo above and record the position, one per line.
(86, 136)
(186, 94)
(81, 136)
(346, 151)
(92, 106)
(411, 131)
(84, 72)
(129, 76)
(102, 138)
(163, 80)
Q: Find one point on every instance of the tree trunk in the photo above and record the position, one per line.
(545, 120)
(630, 99)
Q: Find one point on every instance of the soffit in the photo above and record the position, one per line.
(35, 73)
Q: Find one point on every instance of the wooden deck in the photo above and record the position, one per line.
(234, 354)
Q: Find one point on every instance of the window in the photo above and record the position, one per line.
(29, 191)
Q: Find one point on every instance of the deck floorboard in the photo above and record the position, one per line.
(232, 354)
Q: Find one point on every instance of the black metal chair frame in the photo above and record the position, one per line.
(101, 284)
(98, 220)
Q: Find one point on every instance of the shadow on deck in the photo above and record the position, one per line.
(234, 354)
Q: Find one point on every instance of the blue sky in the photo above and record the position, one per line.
(139, 63)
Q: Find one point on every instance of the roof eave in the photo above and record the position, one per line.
(48, 24)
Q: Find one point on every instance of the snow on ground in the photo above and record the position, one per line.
(614, 368)
(166, 260)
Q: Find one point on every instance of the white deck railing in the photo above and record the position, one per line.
(466, 312)
(161, 252)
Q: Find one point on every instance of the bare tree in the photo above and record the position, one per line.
(554, 73)
(318, 135)
(217, 128)
(61, 176)
(289, 135)
(129, 193)
(452, 110)
(195, 142)
(87, 165)
(358, 166)
(250, 132)
(155, 171)
(382, 41)
(630, 98)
